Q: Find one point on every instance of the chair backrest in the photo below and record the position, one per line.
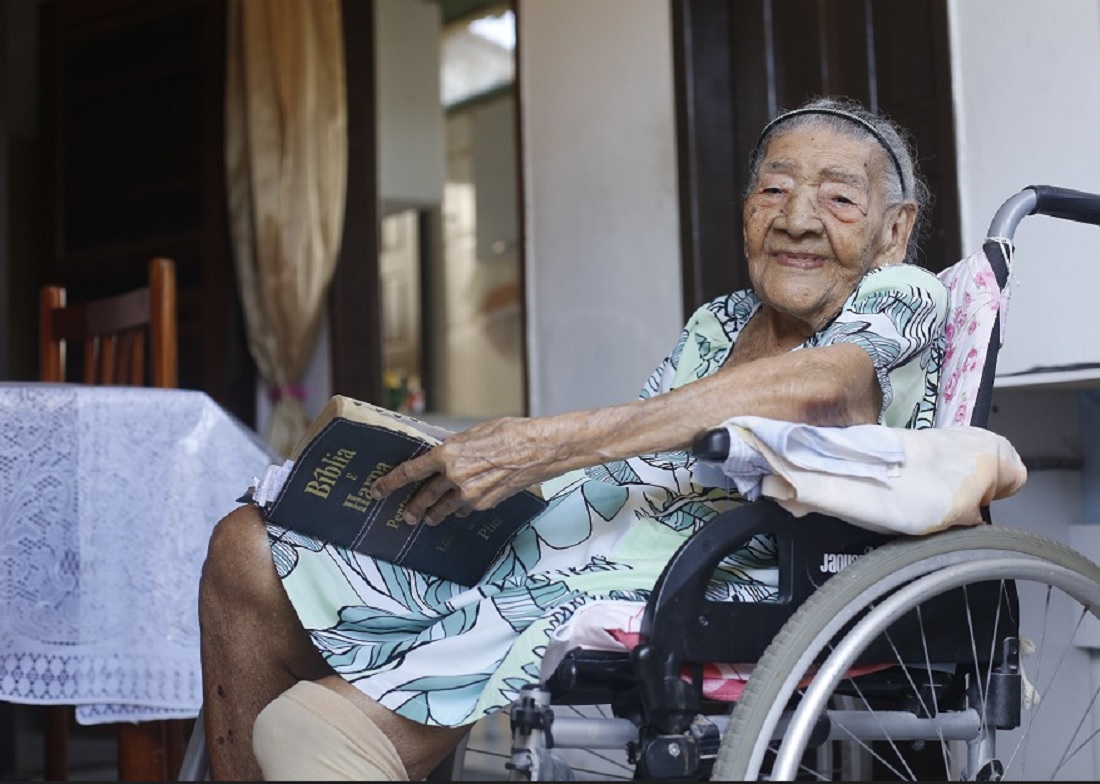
(116, 334)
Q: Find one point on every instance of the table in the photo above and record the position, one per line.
(107, 499)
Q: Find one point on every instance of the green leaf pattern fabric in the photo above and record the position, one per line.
(446, 654)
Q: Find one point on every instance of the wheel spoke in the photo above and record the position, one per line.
(1057, 669)
(931, 681)
(870, 750)
(1067, 755)
(935, 695)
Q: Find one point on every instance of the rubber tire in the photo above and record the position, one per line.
(844, 596)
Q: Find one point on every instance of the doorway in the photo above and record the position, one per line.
(450, 269)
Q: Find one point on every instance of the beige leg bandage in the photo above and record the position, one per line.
(311, 733)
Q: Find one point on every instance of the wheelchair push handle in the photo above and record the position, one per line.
(1050, 200)
(1067, 204)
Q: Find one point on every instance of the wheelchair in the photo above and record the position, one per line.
(883, 658)
(914, 661)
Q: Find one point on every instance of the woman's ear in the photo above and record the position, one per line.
(895, 233)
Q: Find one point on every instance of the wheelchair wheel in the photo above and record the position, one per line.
(994, 714)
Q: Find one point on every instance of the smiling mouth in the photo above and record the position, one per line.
(798, 260)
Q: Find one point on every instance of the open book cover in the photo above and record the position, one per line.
(326, 494)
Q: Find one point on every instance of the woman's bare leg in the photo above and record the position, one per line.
(254, 648)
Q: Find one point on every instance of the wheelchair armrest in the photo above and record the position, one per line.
(688, 627)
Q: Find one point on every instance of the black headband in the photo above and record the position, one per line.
(871, 129)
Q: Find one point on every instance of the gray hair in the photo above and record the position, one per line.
(903, 180)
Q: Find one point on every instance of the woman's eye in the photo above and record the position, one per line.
(841, 203)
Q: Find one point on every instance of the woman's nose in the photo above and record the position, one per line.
(800, 213)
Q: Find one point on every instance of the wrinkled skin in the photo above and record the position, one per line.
(815, 225)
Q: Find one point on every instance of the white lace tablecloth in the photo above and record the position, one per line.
(107, 499)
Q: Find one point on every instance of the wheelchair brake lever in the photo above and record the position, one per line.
(713, 444)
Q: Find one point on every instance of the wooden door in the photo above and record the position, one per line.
(355, 301)
(739, 63)
(4, 307)
(133, 133)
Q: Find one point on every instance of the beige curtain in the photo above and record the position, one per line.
(286, 167)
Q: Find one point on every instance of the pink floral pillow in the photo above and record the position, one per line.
(973, 300)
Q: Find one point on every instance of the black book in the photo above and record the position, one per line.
(327, 495)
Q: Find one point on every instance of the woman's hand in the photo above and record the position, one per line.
(476, 468)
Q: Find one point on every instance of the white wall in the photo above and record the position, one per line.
(1026, 84)
(1026, 81)
(1027, 103)
(602, 232)
(410, 116)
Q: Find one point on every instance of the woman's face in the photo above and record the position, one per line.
(817, 220)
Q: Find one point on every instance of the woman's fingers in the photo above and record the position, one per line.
(451, 502)
(404, 473)
(427, 499)
(434, 502)
(475, 469)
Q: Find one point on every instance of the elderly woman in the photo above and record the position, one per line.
(334, 664)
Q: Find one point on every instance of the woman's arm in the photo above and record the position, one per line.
(479, 467)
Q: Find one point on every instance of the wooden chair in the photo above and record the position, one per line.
(113, 332)
(116, 334)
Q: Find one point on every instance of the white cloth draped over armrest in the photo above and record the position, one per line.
(889, 480)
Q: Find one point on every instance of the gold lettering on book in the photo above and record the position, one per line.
(331, 468)
(360, 499)
(444, 544)
(398, 518)
(486, 530)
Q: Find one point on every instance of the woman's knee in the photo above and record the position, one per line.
(311, 733)
(238, 556)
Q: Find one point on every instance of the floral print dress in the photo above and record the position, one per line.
(446, 654)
